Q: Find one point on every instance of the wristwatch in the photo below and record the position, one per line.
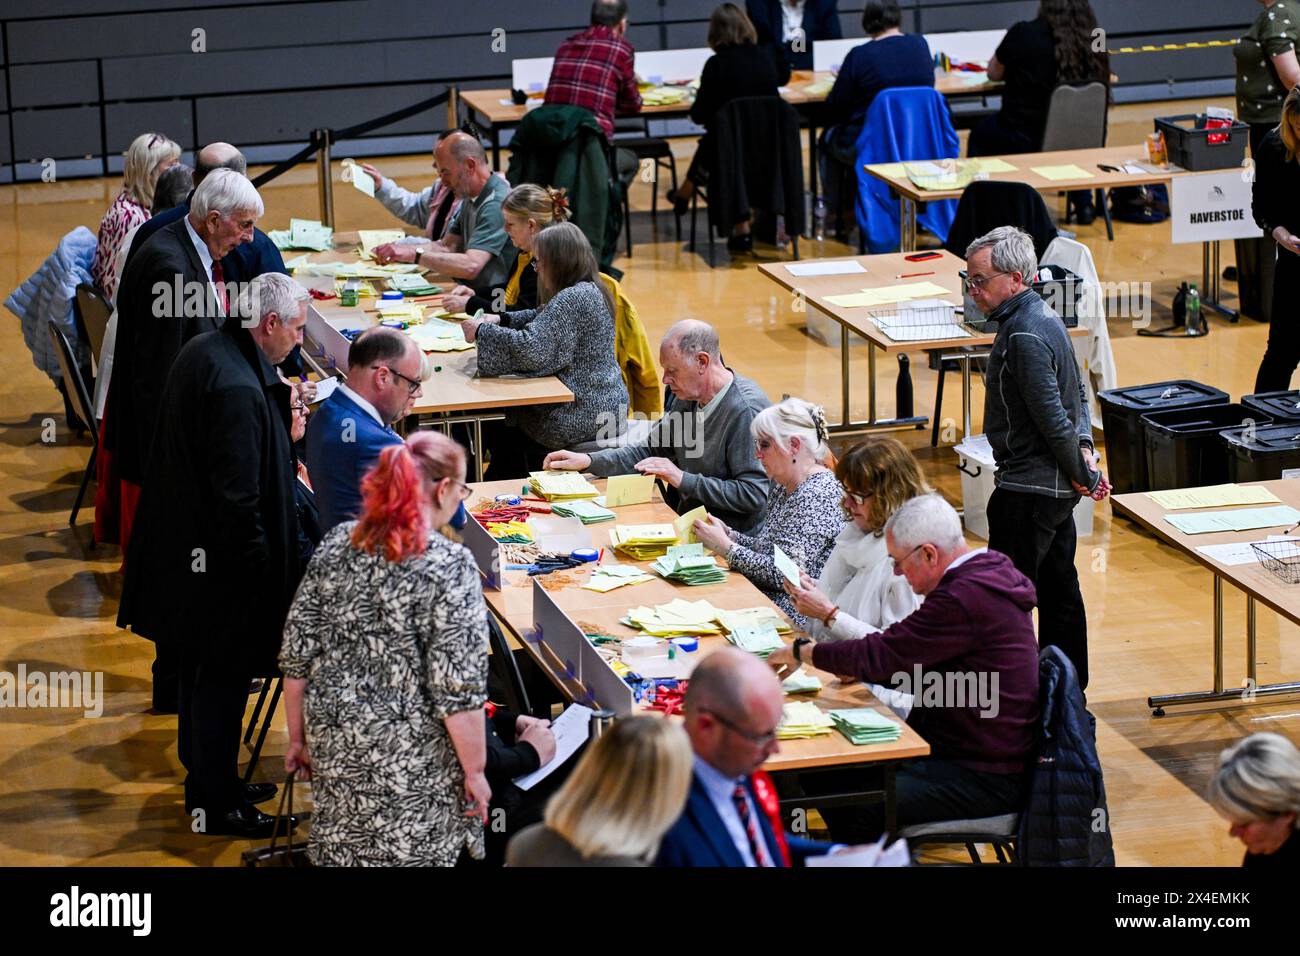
(799, 642)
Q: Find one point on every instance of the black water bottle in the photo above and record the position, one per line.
(903, 390)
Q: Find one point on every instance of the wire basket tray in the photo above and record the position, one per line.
(1281, 558)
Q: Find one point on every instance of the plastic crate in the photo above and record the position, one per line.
(1279, 406)
(1121, 412)
(1262, 454)
(1183, 447)
(1189, 146)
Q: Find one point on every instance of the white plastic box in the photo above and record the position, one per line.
(975, 462)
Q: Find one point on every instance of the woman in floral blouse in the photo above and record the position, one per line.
(385, 665)
(803, 517)
(146, 159)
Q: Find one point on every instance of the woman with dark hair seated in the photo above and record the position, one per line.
(739, 67)
(891, 58)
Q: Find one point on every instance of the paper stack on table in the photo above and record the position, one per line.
(1213, 496)
(753, 617)
(663, 96)
(761, 640)
(411, 312)
(588, 512)
(607, 577)
(642, 542)
(677, 618)
(803, 718)
(436, 336)
(689, 564)
(1247, 519)
(801, 682)
(623, 490)
(413, 284)
(310, 234)
(887, 295)
(862, 725)
(370, 238)
(560, 485)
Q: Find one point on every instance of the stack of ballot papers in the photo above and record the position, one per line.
(303, 234)
(607, 577)
(411, 312)
(1244, 519)
(436, 336)
(802, 718)
(1213, 496)
(761, 640)
(801, 682)
(412, 283)
(753, 617)
(588, 512)
(642, 542)
(663, 96)
(689, 564)
(677, 618)
(560, 485)
(371, 238)
(862, 725)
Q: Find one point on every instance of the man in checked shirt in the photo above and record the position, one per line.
(595, 69)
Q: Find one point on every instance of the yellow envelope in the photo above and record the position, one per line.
(1055, 173)
(628, 490)
(685, 525)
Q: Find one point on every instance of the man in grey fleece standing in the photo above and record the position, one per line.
(1036, 419)
(701, 448)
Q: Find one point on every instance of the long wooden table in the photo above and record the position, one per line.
(453, 390)
(883, 271)
(600, 613)
(1089, 160)
(494, 110)
(1254, 580)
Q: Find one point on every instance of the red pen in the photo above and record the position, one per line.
(912, 275)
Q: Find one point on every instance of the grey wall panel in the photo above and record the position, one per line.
(25, 10)
(4, 96)
(690, 9)
(61, 133)
(54, 84)
(245, 119)
(6, 154)
(126, 121)
(682, 36)
(1126, 17)
(978, 16)
(1175, 65)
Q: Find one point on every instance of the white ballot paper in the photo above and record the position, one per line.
(873, 855)
(571, 729)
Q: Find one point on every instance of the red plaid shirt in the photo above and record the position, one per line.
(595, 69)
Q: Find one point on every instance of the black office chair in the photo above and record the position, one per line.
(1076, 119)
(78, 397)
(654, 148)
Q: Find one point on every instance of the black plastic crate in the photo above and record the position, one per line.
(1279, 406)
(1189, 146)
(1121, 413)
(1183, 447)
(1262, 454)
(1061, 291)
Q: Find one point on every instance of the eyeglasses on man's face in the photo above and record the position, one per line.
(758, 740)
(412, 385)
(979, 282)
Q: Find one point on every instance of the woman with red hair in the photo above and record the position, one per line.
(385, 666)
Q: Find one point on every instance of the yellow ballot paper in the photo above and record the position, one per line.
(990, 165)
(685, 525)
(358, 177)
(628, 490)
(560, 485)
(370, 238)
(1055, 173)
(890, 170)
(1212, 496)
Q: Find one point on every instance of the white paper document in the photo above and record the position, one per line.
(324, 389)
(571, 729)
(1239, 552)
(869, 855)
(839, 268)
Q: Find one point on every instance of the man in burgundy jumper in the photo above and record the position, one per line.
(969, 655)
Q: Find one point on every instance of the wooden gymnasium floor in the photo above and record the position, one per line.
(77, 791)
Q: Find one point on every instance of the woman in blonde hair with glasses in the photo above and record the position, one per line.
(526, 211)
(624, 795)
(1257, 789)
(803, 517)
(147, 158)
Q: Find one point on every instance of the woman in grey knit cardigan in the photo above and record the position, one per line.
(804, 515)
(570, 336)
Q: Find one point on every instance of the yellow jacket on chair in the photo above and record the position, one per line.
(632, 349)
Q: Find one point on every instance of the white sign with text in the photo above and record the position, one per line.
(1206, 207)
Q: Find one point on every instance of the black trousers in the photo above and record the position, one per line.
(213, 696)
(166, 676)
(511, 453)
(1037, 533)
(928, 791)
(1283, 351)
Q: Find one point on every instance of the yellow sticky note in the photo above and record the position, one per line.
(993, 166)
(1056, 173)
(891, 170)
(628, 490)
(685, 525)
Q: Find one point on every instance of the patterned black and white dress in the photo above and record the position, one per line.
(388, 650)
(804, 524)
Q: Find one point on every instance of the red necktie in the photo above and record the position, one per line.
(219, 280)
(747, 820)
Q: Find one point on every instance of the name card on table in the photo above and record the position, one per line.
(1206, 207)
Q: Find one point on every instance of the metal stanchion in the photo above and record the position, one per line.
(324, 177)
(453, 107)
